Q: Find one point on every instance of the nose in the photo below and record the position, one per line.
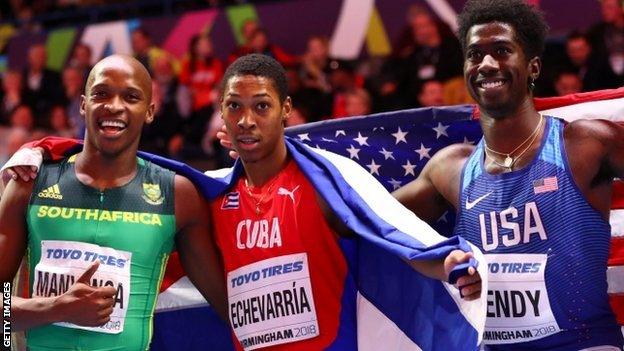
(488, 64)
(246, 120)
(114, 105)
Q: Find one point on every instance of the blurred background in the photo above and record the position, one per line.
(343, 58)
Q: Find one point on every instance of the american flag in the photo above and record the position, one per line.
(545, 185)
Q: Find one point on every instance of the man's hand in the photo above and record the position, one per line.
(24, 164)
(469, 285)
(224, 140)
(84, 304)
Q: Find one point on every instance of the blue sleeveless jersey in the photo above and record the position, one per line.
(547, 252)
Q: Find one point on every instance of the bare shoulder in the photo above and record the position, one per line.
(450, 158)
(598, 130)
(190, 205)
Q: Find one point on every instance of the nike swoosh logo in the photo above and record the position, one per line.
(474, 203)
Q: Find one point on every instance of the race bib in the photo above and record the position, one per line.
(518, 309)
(63, 262)
(270, 302)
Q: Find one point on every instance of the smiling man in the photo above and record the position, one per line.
(104, 206)
(534, 194)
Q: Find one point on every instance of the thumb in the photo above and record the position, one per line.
(85, 278)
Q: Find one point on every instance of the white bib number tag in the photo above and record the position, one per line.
(63, 262)
(518, 309)
(270, 302)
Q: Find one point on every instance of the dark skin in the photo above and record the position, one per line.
(254, 117)
(116, 104)
(595, 148)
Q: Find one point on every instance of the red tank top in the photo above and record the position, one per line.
(285, 270)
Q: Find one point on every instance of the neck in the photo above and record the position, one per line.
(261, 171)
(504, 133)
(102, 171)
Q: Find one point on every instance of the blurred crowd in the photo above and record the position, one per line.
(424, 69)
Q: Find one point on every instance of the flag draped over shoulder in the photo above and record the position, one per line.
(395, 146)
(396, 306)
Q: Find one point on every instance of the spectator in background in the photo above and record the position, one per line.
(607, 37)
(81, 58)
(59, 122)
(431, 93)
(259, 43)
(73, 86)
(593, 70)
(42, 85)
(247, 30)
(568, 82)
(312, 103)
(145, 51)
(12, 95)
(315, 64)
(435, 54)
(357, 102)
(342, 78)
(201, 73)
(158, 136)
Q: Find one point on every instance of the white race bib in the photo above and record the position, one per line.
(518, 309)
(270, 302)
(63, 262)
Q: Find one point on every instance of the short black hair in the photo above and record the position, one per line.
(261, 66)
(527, 21)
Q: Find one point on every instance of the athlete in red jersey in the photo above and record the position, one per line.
(292, 264)
(286, 274)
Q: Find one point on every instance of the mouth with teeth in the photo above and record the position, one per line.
(111, 127)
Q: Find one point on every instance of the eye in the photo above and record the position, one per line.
(503, 51)
(232, 105)
(263, 106)
(133, 97)
(474, 55)
(98, 94)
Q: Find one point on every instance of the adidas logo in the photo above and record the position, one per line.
(53, 192)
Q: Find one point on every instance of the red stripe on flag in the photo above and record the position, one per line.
(616, 252)
(617, 200)
(173, 271)
(617, 304)
(560, 101)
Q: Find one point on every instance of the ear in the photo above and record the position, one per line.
(286, 108)
(535, 67)
(149, 116)
(83, 107)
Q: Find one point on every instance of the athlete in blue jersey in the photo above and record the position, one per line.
(534, 194)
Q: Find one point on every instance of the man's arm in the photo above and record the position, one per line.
(436, 190)
(81, 304)
(196, 246)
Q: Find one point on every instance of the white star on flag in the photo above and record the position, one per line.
(443, 218)
(423, 151)
(440, 130)
(399, 136)
(374, 168)
(466, 141)
(395, 183)
(361, 139)
(353, 152)
(340, 132)
(409, 168)
(328, 140)
(304, 136)
(387, 154)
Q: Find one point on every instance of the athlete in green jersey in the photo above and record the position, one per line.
(103, 206)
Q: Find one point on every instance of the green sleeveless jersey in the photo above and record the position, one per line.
(129, 229)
